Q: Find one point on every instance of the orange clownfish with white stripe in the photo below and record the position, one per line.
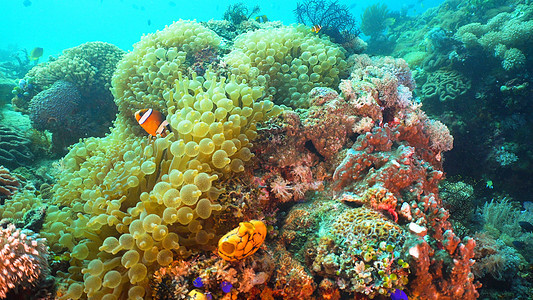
(316, 28)
(152, 121)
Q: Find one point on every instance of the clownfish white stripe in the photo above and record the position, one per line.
(162, 127)
(145, 116)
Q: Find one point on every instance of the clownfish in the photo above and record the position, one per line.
(316, 28)
(152, 121)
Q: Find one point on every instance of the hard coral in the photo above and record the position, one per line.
(23, 260)
(445, 85)
(9, 184)
(14, 148)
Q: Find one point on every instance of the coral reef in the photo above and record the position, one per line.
(475, 53)
(23, 260)
(392, 171)
(503, 36)
(347, 188)
(140, 202)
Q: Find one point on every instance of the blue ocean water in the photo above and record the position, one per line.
(56, 25)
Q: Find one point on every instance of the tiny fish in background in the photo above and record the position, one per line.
(152, 121)
(36, 53)
(526, 226)
(519, 245)
(316, 28)
(172, 3)
(398, 295)
(26, 3)
(149, 22)
(261, 19)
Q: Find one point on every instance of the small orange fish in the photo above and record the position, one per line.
(152, 121)
(316, 28)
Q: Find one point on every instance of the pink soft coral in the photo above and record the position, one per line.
(280, 188)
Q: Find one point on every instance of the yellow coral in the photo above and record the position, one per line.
(367, 225)
(156, 62)
(288, 61)
(126, 205)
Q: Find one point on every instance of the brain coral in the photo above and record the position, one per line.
(126, 205)
(288, 61)
(445, 85)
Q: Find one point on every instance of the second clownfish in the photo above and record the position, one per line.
(152, 121)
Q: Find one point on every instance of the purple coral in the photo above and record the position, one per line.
(68, 115)
(53, 109)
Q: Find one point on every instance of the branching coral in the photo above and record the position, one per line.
(238, 12)
(336, 20)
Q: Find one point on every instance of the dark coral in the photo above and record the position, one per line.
(239, 12)
(374, 19)
(14, 148)
(83, 73)
(63, 111)
(336, 20)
